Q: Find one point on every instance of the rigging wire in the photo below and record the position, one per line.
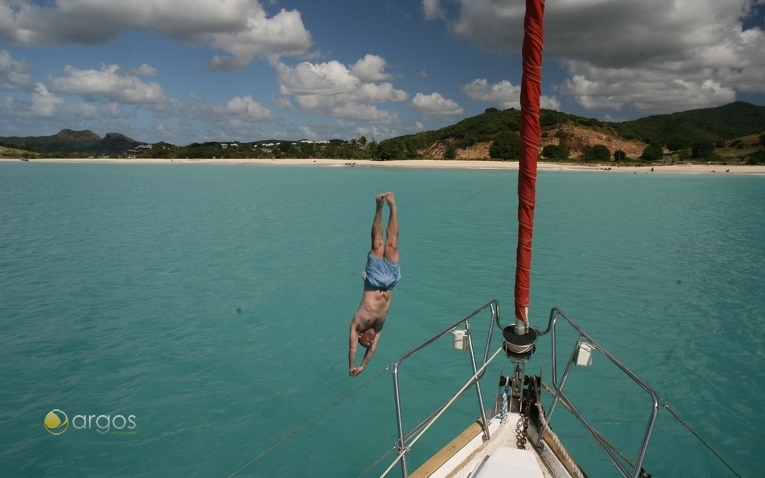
(605, 440)
(672, 412)
(666, 405)
(378, 460)
(301, 427)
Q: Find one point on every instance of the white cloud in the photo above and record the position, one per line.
(328, 106)
(504, 93)
(283, 34)
(435, 105)
(370, 69)
(243, 108)
(240, 28)
(196, 97)
(549, 102)
(332, 88)
(645, 90)
(110, 82)
(329, 78)
(366, 113)
(690, 53)
(111, 109)
(14, 74)
(432, 9)
(82, 110)
(144, 70)
(282, 102)
(43, 102)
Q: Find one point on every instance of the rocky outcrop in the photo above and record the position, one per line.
(77, 136)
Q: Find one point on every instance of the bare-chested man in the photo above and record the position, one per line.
(380, 276)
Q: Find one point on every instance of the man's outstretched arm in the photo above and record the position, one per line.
(353, 340)
(368, 355)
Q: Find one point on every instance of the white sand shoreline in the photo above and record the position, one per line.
(422, 164)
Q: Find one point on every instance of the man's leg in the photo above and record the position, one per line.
(391, 244)
(377, 231)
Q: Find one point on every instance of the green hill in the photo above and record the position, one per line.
(715, 125)
(731, 132)
(726, 122)
(480, 129)
(69, 141)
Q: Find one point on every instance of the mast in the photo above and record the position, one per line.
(531, 86)
(520, 338)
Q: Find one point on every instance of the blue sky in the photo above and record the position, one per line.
(222, 70)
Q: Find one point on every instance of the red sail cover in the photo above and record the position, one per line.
(531, 86)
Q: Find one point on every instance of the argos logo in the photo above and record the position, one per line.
(57, 422)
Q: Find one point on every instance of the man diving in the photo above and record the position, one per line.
(380, 276)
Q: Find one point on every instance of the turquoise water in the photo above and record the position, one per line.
(212, 303)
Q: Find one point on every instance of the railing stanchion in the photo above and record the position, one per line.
(401, 444)
(484, 423)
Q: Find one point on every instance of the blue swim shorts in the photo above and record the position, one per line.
(381, 274)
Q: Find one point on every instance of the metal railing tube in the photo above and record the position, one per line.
(554, 365)
(484, 424)
(401, 442)
(402, 438)
(595, 436)
(430, 417)
(496, 318)
(555, 313)
(444, 332)
(494, 307)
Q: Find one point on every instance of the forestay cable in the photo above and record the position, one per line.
(666, 405)
(298, 429)
(672, 412)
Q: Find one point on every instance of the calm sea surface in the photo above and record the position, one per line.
(212, 303)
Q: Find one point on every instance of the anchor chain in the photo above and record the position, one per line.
(522, 427)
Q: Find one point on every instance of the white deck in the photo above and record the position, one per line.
(464, 461)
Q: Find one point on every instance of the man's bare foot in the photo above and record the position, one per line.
(379, 200)
(390, 198)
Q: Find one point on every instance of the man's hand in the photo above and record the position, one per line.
(356, 370)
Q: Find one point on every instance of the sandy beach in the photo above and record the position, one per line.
(425, 164)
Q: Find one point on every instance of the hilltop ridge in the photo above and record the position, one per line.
(732, 132)
(70, 141)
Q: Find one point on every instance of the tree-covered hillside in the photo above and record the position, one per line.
(726, 133)
(712, 124)
(476, 129)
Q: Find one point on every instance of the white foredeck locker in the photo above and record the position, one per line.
(508, 462)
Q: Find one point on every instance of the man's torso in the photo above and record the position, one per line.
(373, 309)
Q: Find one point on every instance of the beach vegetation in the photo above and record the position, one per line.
(757, 157)
(597, 153)
(556, 152)
(702, 149)
(677, 142)
(619, 155)
(451, 151)
(390, 149)
(652, 152)
(506, 146)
